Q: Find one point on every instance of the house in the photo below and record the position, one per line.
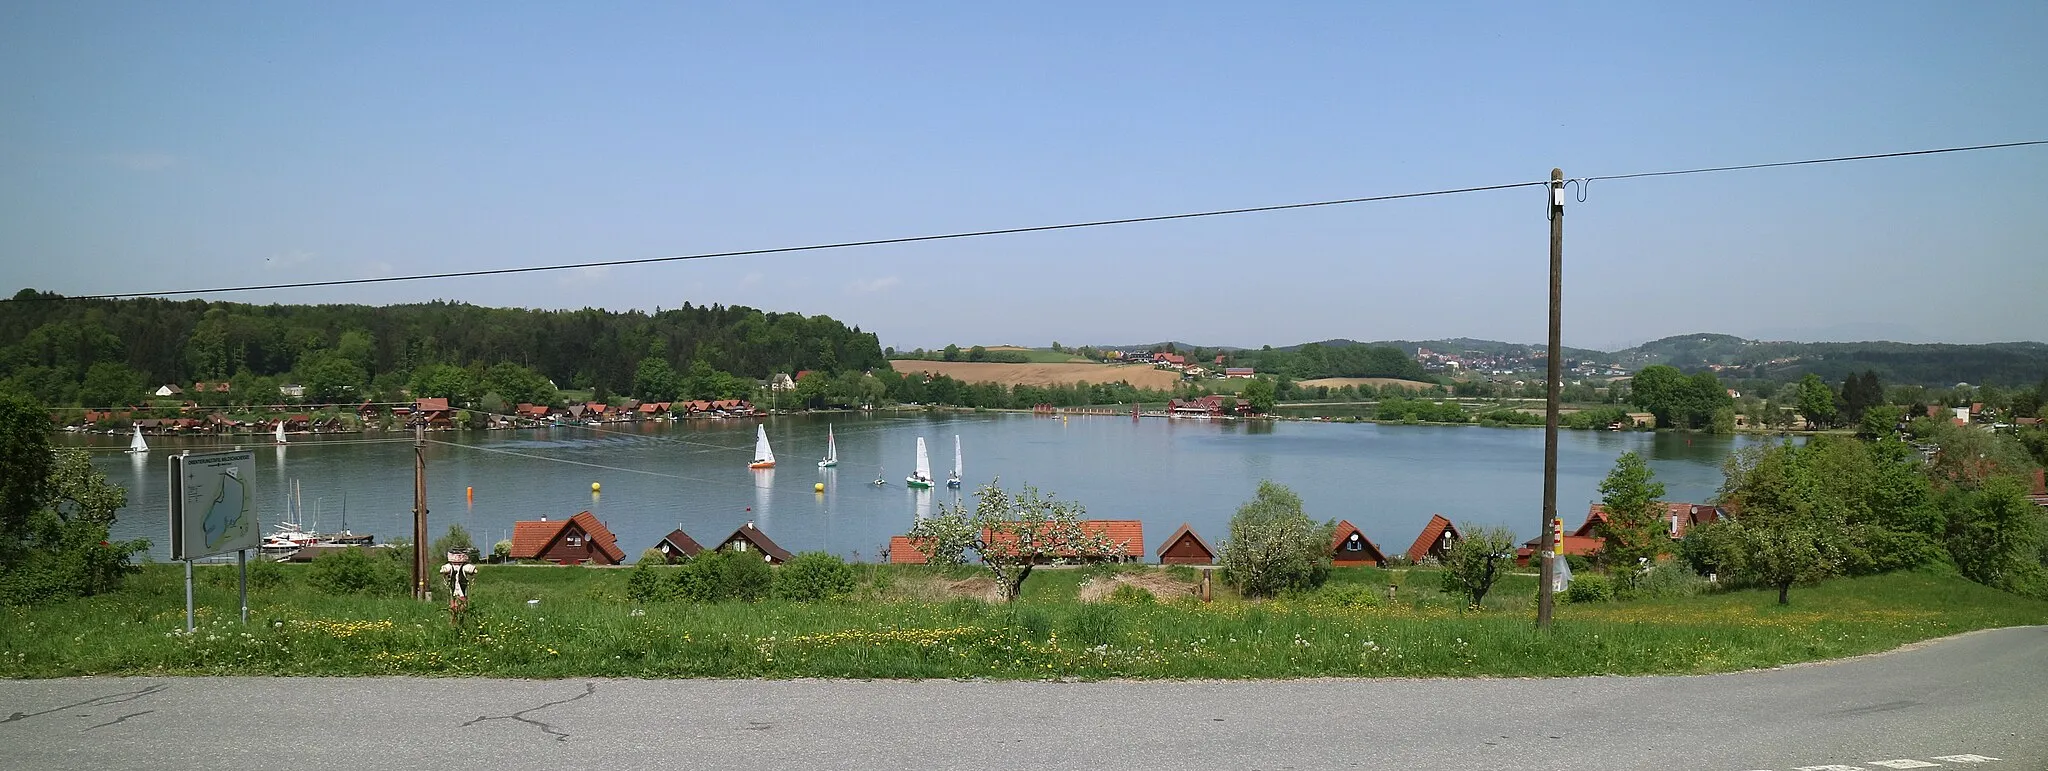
(292, 390)
(168, 389)
(1436, 538)
(1184, 547)
(1237, 372)
(1679, 518)
(750, 539)
(904, 550)
(596, 411)
(533, 411)
(2039, 492)
(677, 546)
(1127, 537)
(1350, 548)
(1169, 360)
(1204, 407)
(1573, 546)
(781, 381)
(571, 541)
(433, 413)
(219, 387)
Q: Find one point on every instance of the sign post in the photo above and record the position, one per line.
(213, 512)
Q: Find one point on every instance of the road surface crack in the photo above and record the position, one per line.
(121, 719)
(96, 701)
(545, 728)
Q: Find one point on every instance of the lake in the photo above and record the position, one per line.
(1387, 479)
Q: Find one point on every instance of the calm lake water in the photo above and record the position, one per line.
(693, 475)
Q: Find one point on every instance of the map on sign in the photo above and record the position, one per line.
(213, 512)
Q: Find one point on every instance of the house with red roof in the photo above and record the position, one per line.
(750, 540)
(576, 540)
(1127, 537)
(1238, 372)
(677, 546)
(904, 550)
(1436, 538)
(1185, 547)
(2038, 493)
(434, 413)
(1350, 548)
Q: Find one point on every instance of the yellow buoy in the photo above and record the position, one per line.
(593, 487)
(820, 487)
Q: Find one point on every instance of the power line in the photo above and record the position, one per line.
(1582, 181)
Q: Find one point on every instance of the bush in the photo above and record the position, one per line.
(814, 576)
(73, 559)
(647, 584)
(501, 551)
(1131, 595)
(1274, 547)
(457, 539)
(263, 574)
(1347, 596)
(720, 576)
(1588, 587)
(1668, 579)
(354, 571)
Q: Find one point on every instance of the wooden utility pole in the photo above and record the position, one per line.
(419, 511)
(1544, 600)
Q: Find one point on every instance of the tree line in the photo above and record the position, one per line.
(106, 352)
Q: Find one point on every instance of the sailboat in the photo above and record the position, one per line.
(280, 431)
(831, 450)
(922, 477)
(954, 480)
(881, 477)
(135, 442)
(763, 456)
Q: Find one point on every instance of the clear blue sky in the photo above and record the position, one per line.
(178, 145)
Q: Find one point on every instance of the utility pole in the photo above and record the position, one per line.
(1544, 600)
(419, 511)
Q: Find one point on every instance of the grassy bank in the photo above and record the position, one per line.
(903, 625)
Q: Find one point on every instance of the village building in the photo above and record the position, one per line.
(1201, 407)
(573, 541)
(750, 540)
(1436, 538)
(168, 389)
(1238, 372)
(432, 413)
(904, 550)
(1350, 548)
(1126, 536)
(677, 546)
(1185, 547)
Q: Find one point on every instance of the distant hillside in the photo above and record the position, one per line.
(1932, 364)
(1490, 348)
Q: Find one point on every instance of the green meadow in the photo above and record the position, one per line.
(917, 622)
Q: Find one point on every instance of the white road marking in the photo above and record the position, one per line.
(1963, 758)
(1831, 767)
(1902, 763)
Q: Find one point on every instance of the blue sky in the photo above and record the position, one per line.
(182, 145)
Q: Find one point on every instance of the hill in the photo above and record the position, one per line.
(1930, 364)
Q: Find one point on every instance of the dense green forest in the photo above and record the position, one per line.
(1926, 364)
(108, 352)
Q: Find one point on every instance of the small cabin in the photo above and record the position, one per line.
(573, 541)
(904, 550)
(1436, 538)
(677, 546)
(1184, 547)
(750, 540)
(1350, 548)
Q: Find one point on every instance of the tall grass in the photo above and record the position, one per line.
(583, 625)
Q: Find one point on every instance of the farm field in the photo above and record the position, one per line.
(1044, 374)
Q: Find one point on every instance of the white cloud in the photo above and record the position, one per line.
(873, 285)
(141, 161)
(751, 279)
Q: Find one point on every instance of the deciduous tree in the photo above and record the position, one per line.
(1478, 558)
(1633, 530)
(1011, 534)
(1273, 545)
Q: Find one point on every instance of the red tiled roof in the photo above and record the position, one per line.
(903, 550)
(1345, 530)
(1175, 538)
(532, 537)
(1126, 535)
(1436, 528)
(753, 535)
(431, 405)
(1686, 515)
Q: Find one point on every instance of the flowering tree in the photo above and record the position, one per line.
(1011, 533)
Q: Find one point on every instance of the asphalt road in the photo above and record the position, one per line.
(1978, 701)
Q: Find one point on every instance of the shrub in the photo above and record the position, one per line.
(501, 551)
(1274, 547)
(1588, 587)
(457, 539)
(814, 576)
(647, 584)
(1668, 579)
(354, 571)
(720, 576)
(1347, 596)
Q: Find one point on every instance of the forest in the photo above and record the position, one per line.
(109, 352)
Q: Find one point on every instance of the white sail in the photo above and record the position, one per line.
(923, 476)
(135, 442)
(831, 449)
(763, 456)
(954, 481)
(280, 431)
